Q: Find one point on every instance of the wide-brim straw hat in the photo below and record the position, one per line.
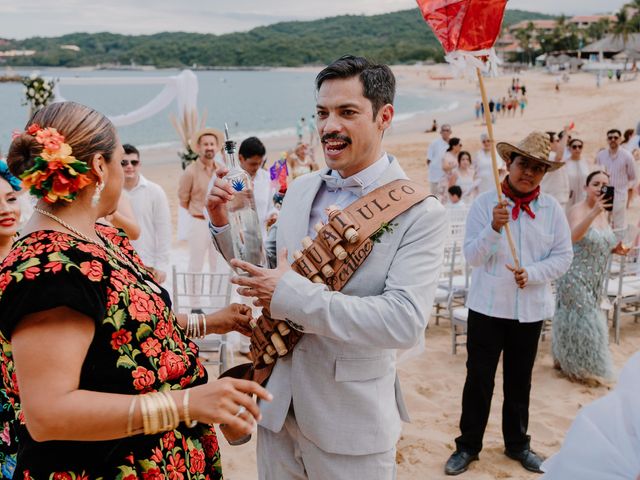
(536, 146)
(207, 131)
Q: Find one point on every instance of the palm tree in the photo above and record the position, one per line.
(525, 38)
(623, 26)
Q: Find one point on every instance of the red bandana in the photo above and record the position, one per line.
(520, 202)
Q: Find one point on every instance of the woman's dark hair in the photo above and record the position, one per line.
(574, 140)
(252, 146)
(462, 154)
(453, 142)
(87, 131)
(378, 81)
(593, 174)
(628, 133)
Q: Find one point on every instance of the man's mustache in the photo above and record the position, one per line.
(336, 136)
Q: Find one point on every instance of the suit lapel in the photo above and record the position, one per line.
(300, 221)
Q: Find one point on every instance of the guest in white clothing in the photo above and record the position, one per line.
(435, 155)
(556, 183)
(619, 164)
(577, 171)
(484, 166)
(465, 177)
(151, 210)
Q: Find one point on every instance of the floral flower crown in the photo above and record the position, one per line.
(8, 176)
(56, 175)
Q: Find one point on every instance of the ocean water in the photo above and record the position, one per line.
(265, 103)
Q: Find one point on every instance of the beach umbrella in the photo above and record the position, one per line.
(467, 30)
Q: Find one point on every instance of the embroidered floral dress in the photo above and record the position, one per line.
(138, 347)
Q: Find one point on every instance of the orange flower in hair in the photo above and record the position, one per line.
(56, 174)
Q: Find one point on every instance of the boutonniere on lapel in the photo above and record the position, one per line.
(384, 228)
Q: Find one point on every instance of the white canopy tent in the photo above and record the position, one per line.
(182, 87)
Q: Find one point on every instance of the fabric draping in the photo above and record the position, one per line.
(182, 87)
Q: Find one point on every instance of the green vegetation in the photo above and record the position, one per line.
(398, 37)
(568, 37)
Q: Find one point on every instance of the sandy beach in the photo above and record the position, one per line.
(432, 382)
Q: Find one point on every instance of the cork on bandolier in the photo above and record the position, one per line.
(262, 344)
(319, 256)
(331, 239)
(343, 224)
(307, 268)
(283, 328)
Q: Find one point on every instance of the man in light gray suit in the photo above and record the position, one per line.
(337, 405)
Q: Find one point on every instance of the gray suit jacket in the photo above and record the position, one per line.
(341, 377)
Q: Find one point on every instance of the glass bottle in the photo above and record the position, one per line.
(244, 223)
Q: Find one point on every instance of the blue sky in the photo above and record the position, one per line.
(21, 18)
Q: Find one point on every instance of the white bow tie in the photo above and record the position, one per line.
(345, 184)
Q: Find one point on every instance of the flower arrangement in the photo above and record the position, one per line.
(56, 174)
(38, 92)
(186, 127)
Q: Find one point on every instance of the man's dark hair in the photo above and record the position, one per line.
(251, 147)
(455, 190)
(129, 149)
(614, 130)
(378, 81)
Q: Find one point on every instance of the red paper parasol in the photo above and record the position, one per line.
(466, 25)
(467, 30)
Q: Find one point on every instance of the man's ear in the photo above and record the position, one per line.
(385, 116)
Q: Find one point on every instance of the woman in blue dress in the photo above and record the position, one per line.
(580, 331)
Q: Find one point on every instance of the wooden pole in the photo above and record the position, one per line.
(494, 164)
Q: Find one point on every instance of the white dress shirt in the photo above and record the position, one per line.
(435, 154)
(151, 208)
(543, 246)
(263, 192)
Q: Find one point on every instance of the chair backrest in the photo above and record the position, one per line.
(457, 224)
(207, 291)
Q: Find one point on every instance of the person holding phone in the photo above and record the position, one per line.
(580, 335)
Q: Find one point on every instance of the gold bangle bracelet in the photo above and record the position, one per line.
(173, 408)
(163, 412)
(185, 410)
(144, 409)
(132, 409)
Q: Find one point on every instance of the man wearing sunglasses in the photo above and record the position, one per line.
(577, 171)
(151, 209)
(618, 163)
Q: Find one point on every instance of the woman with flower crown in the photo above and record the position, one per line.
(101, 376)
(10, 212)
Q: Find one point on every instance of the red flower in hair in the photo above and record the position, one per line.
(33, 129)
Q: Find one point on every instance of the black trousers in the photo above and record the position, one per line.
(487, 337)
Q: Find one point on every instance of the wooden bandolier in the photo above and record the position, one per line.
(341, 246)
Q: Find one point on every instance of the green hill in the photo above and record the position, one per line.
(398, 37)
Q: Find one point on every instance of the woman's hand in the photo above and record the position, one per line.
(234, 317)
(620, 249)
(228, 401)
(600, 206)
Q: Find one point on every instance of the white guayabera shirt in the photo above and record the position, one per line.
(543, 245)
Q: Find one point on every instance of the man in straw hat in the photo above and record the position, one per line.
(508, 303)
(192, 193)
